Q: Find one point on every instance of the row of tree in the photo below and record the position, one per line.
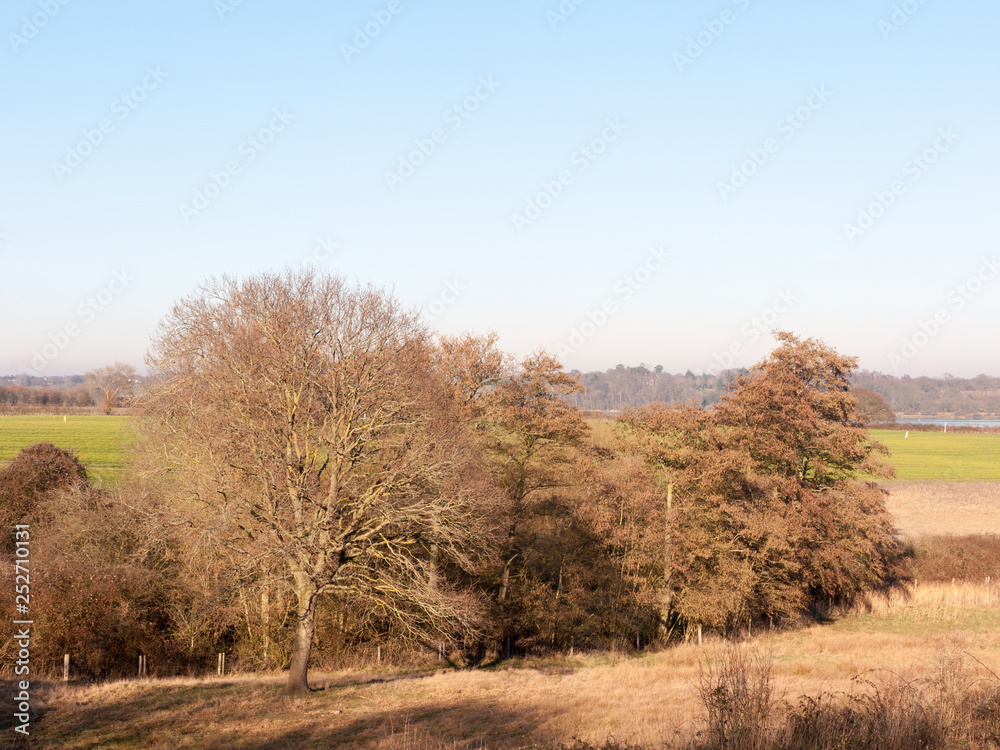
(109, 387)
(311, 466)
(632, 387)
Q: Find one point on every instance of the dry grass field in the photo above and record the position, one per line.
(649, 700)
(925, 508)
(935, 637)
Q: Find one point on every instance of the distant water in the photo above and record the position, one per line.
(951, 422)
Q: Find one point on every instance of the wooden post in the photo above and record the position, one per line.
(699, 634)
(440, 652)
(220, 667)
(65, 667)
(265, 617)
(142, 666)
(379, 655)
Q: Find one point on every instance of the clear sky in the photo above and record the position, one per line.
(617, 182)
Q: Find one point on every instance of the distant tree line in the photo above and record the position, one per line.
(110, 387)
(959, 397)
(617, 389)
(314, 476)
(624, 387)
(20, 395)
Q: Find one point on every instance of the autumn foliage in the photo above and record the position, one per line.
(316, 476)
(771, 510)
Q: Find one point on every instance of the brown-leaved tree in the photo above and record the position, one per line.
(773, 510)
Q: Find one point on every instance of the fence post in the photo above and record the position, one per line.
(142, 666)
(379, 657)
(699, 634)
(65, 667)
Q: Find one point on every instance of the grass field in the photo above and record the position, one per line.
(941, 456)
(542, 703)
(97, 441)
(953, 508)
(921, 456)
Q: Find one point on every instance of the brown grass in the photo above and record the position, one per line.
(936, 508)
(648, 700)
(881, 669)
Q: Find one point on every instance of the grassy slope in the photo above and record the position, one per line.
(97, 441)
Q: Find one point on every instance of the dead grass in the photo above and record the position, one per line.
(950, 508)
(888, 642)
(647, 700)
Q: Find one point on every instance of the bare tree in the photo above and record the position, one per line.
(305, 421)
(115, 383)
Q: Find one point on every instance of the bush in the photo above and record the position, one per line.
(35, 472)
(966, 558)
(738, 694)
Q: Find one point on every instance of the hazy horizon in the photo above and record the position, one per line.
(639, 184)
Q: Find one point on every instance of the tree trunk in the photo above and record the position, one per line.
(297, 672)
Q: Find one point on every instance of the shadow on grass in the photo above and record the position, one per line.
(253, 715)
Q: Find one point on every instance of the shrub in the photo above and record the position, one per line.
(967, 558)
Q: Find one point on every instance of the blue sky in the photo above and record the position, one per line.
(619, 183)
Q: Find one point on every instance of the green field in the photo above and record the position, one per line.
(946, 457)
(97, 441)
(935, 456)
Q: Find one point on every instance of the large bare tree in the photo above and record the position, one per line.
(303, 418)
(116, 384)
